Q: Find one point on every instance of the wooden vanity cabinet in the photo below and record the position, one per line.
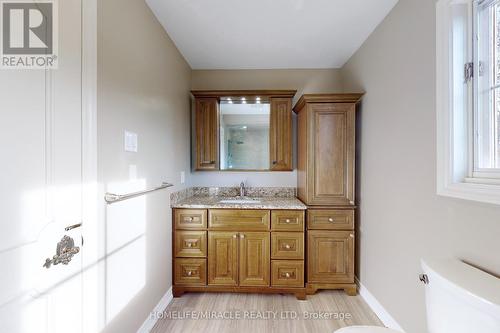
(207, 134)
(245, 251)
(326, 149)
(326, 173)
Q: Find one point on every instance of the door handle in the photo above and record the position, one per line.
(65, 251)
(74, 226)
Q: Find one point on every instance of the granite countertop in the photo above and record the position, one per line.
(209, 202)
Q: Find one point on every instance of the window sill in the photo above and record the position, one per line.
(474, 191)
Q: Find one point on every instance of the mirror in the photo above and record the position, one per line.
(244, 133)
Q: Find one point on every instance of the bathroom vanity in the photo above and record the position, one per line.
(234, 247)
(271, 240)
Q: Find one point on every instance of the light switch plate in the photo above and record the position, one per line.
(131, 142)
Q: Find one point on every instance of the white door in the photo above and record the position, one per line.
(41, 188)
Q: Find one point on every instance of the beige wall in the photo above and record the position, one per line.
(302, 80)
(143, 86)
(401, 217)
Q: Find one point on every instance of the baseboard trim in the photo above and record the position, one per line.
(376, 307)
(151, 320)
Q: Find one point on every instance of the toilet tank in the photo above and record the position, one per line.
(461, 298)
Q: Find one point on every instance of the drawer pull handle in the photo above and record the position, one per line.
(191, 244)
(287, 221)
(287, 246)
(189, 273)
(189, 219)
(330, 219)
(287, 275)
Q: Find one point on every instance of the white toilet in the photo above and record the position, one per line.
(459, 299)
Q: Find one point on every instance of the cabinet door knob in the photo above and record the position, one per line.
(287, 275)
(351, 202)
(351, 235)
(242, 236)
(287, 246)
(235, 235)
(330, 219)
(190, 219)
(189, 273)
(189, 244)
(287, 221)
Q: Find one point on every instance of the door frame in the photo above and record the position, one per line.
(92, 202)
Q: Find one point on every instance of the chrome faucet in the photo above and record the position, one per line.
(242, 189)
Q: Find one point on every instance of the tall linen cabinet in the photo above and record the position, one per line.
(326, 176)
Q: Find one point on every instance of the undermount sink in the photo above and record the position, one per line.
(240, 201)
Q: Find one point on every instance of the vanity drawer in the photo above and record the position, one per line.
(190, 243)
(238, 220)
(287, 220)
(190, 218)
(190, 272)
(330, 219)
(287, 273)
(287, 245)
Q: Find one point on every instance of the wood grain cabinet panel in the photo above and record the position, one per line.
(191, 244)
(330, 219)
(190, 272)
(254, 259)
(330, 256)
(287, 273)
(326, 149)
(222, 258)
(280, 134)
(287, 245)
(190, 219)
(207, 133)
(287, 220)
(239, 220)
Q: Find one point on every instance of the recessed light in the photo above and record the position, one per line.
(243, 99)
(258, 99)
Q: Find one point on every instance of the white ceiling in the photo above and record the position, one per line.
(262, 34)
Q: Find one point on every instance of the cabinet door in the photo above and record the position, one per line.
(280, 134)
(207, 133)
(330, 256)
(254, 259)
(222, 258)
(331, 148)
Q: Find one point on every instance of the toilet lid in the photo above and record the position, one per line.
(366, 329)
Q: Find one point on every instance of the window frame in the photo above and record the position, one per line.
(477, 171)
(455, 105)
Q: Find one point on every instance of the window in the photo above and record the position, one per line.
(468, 99)
(487, 90)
